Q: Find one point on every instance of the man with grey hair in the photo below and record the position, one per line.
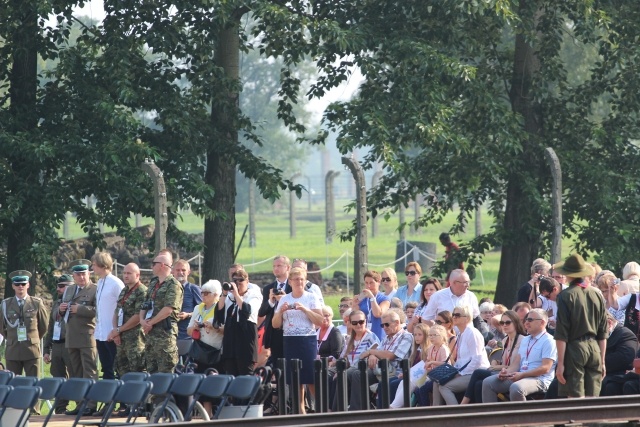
(457, 294)
(533, 368)
(395, 346)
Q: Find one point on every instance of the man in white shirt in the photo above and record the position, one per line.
(109, 287)
(458, 294)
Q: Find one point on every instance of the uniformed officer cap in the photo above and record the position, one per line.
(80, 265)
(65, 278)
(20, 276)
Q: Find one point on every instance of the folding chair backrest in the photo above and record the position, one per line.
(71, 389)
(134, 376)
(50, 387)
(243, 387)
(132, 393)
(186, 384)
(20, 381)
(161, 382)
(214, 386)
(22, 398)
(101, 391)
(4, 392)
(5, 377)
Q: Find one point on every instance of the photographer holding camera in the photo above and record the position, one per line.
(237, 310)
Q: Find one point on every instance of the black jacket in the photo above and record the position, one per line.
(621, 350)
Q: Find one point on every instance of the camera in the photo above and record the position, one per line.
(278, 291)
(226, 286)
(147, 305)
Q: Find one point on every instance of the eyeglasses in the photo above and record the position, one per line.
(456, 315)
(386, 325)
(410, 273)
(505, 322)
(238, 280)
(158, 262)
(462, 282)
(205, 293)
(385, 279)
(358, 322)
(343, 306)
(530, 319)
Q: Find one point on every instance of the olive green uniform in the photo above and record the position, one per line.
(130, 352)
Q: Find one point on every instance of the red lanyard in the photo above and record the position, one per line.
(128, 294)
(388, 346)
(532, 345)
(155, 290)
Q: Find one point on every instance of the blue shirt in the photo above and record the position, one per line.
(192, 297)
(534, 349)
(403, 291)
(375, 323)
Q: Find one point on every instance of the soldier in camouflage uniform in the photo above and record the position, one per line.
(127, 333)
(159, 317)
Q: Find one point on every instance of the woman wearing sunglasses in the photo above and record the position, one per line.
(512, 327)
(469, 355)
(389, 282)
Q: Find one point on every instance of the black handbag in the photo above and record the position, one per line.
(204, 354)
(444, 373)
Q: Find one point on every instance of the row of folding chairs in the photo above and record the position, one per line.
(133, 391)
(16, 403)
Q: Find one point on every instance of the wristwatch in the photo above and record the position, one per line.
(118, 329)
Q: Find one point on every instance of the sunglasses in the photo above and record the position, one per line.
(410, 273)
(358, 322)
(20, 284)
(386, 325)
(158, 262)
(206, 293)
(440, 322)
(62, 285)
(530, 319)
(239, 280)
(505, 322)
(456, 315)
(385, 279)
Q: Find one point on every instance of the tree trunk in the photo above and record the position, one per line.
(521, 246)
(22, 91)
(219, 233)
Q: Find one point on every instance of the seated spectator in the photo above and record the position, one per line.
(609, 285)
(330, 340)
(533, 368)
(429, 287)
(345, 304)
(499, 309)
(409, 311)
(396, 303)
(372, 302)
(395, 346)
(416, 362)
(622, 346)
(345, 328)
(470, 354)
(515, 333)
(549, 290)
(389, 282)
(437, 354)
(360, 340)
(522, 309)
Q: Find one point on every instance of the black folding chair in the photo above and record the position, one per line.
(243, 388)
(72, 389)
(161, 382)
(213, 387)
(22, 399)
(21, 381)
(103, 391)
(50, 387)
(134, 376)
(133, 394)
(184, 385)
(5, 377)
(4, 392)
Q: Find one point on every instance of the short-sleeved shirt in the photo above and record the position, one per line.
(534, 349)
(581, 312)
(399, 344)
(359, 347)
(166, 294)
(295, 323)
(375, 323)
(403, 294)
(445, 300)
(130, 302)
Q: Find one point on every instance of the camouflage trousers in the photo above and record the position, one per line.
(161, 351)
(130, 357)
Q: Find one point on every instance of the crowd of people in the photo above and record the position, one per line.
(572, 332)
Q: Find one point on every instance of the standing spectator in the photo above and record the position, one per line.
(457, 294)
(372, 302)
(413, 289)
(389, 282)
(529, 291)
(234, 268)
(192, 297)
(450, 249)
(532, 370)
(238, 312)
(396, 345)
(271, 295)
(630, 278)
(78, 309)
(126, 332)
(54, 350)
(469, 353)
(622, 346)
(309, 286)
(109, 287)
(608, 284)
(581, 332)
(23, 322)
(159, 317)
(298, 314)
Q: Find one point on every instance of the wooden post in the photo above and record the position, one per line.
(374, 220)
(401, 216)
(360, 258)
(65, 226)
(160, 201)
(292, 209)
(252, 213)
(556, 197)
(478, 220)
(416, 214)
(330, 209)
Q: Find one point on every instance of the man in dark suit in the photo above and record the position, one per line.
(271, 294)
(23, 322)
(78, 309)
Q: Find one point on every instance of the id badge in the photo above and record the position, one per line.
(525, 365)
(121, 317)
(22, 333)
(149, 312)
(57, 330)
